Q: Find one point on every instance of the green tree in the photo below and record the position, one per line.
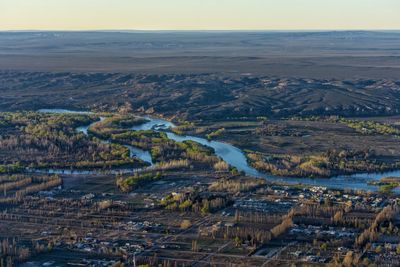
(237, 241)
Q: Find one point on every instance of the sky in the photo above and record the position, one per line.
(199, 14)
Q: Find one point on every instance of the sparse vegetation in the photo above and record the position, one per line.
(327, 164)
(40, 140)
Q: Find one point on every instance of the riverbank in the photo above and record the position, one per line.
(236, 158)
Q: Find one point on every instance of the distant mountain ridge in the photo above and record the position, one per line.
(200, 96)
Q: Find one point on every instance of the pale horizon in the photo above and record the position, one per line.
(203, 30)
(190, 15)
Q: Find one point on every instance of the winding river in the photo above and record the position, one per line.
(133, 151)
(230, 154)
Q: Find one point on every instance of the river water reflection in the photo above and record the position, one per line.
(235, 157)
